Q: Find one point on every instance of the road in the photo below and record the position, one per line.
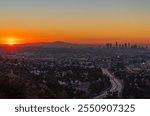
(116, 85)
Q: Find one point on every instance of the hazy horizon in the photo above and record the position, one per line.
(75, 43)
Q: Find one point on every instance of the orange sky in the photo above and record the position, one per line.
(92, 22)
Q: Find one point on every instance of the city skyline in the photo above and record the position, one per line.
(80, 21)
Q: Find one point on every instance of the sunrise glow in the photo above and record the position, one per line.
(11, 44)
(10, 41)
(79, 21)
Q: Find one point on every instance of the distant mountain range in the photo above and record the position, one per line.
(57, 44)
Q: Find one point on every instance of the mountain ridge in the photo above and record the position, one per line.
(56, 44)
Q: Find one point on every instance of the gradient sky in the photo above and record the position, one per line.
(80, 21)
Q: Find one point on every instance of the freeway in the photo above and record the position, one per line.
(116, 85)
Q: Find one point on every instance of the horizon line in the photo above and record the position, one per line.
(104, 43)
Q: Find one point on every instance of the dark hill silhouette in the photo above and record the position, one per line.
(56, 44)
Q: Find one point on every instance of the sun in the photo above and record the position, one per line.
(11, 41)
(11, 44)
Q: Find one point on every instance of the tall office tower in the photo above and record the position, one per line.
(116, 45)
